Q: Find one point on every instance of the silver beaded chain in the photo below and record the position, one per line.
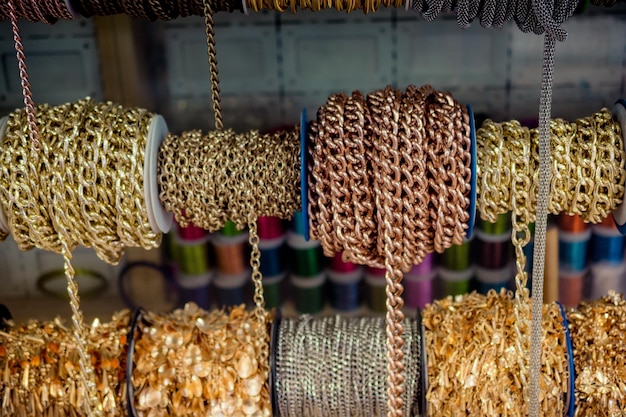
(335, 366)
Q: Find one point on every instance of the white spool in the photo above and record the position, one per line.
(160, 220)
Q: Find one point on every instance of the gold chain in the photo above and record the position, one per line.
(213, 71)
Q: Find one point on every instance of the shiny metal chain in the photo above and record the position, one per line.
(213, 71)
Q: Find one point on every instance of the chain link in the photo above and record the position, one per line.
(213, 71)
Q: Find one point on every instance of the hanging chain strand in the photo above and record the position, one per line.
(26, 92)
(213, 71)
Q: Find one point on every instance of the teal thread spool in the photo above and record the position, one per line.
(306, 256)
(309, 293)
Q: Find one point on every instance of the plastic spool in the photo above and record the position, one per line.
(4, 224)
(419, 289)
(160, 220)
(493, 251)
(493, 279)
(571, 287)
(474, 189)
(230, 254)
(456, 282)
(607, 245)
(345, 290)
(303, 214)
(573, 251)
(272, 256)
(272, 290)
(606, 277)
(570, 398)
(195, 288)
(231, 288)
(308, 293)
(376, 296)
(619, 113)
(307, 257)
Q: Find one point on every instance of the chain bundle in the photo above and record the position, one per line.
(154, 9)
(46, 11)
(473, 363)
(41, 370)
(84, 187)
(388, 183)
(335, 366)
(195, 363)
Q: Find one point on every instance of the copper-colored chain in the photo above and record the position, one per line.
(26, 92)
(213, 71)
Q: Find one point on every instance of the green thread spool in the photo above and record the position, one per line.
(192, 258)
(230, 229)
(457, 257)
(308, 293)
(500, 227)
(307, 257)
(272, 290)
(376, 295)
(456, 282)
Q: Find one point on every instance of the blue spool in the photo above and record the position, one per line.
(345, 290)
(571, 397)
(473, 191)
(303, 215)
(300, 223)
(272, 257)
(573, 251)
(607, 246)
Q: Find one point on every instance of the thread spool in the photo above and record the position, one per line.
(607, 277)
(231, 253)
(307, 258)
(338, 265)
(494, 279)
(493, 251)
(457, 257)
(191, 257)
(195, 289)
(230, 289)
(308, 293)
(345, 290)
(300, 224)
(425, 267)
(230, 229)
(501, 226)
(571, 287)
(376, 296)
(573, 251)
(455, 282)
(607, 245)
(272, 256)
(192, 233)
(418, 289)
(273, 290)
(160, 220)
(572, 223)
(269, 227)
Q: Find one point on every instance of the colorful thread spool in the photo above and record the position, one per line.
(494, 279)
(425, 267)
(300, 225)
(607, 245)
(457, 257)
(345, 289)
(606, 277)
(307, 257)
(230, 229)
(573, 251)
(571, 287)
(308, 293)
(192, 233)
(572, 224)
(273, 290)
(493, 251)
(376, 296)
(269, 228)
(230, 289)
(273, 260)
(418, 288)
(231, 253)
(500, 227)
(195, 288)
(191, 257)
(338, 265)
(455, 282)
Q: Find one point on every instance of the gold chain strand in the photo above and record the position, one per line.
(213, 71)
(473, 363)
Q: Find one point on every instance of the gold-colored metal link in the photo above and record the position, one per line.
(213, 71)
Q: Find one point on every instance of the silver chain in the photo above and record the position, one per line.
(336, 366)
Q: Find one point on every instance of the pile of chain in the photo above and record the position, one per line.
(154, 9)
(209, 179)
(335, 366)
(41, 370)
(474, 367)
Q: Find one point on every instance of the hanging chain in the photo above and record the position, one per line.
(213, 71)
(255, 263)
